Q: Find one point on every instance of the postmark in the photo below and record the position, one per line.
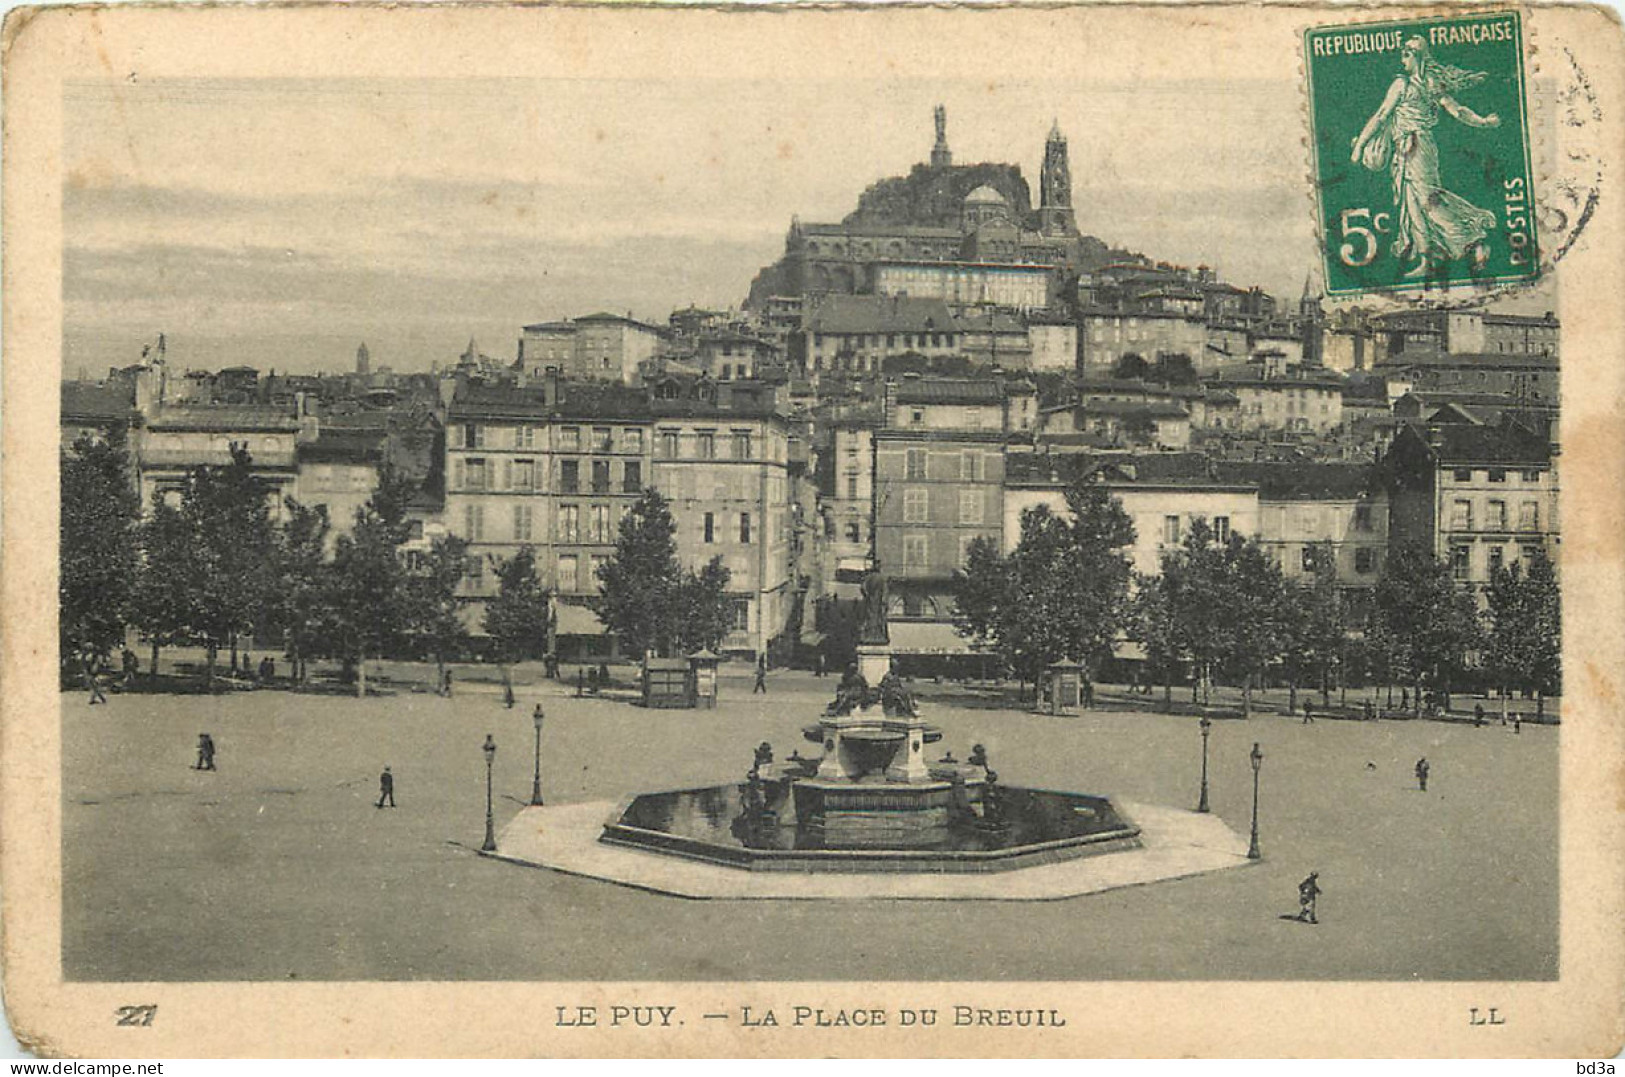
(1419, 133)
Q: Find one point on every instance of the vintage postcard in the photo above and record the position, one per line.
(900, 531)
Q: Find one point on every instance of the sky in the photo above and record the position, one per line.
(279, 223)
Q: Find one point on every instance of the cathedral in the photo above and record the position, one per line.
(940, 214)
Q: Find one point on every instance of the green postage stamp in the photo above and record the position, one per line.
(1421, 149)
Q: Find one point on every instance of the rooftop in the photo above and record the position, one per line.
(1292, 481)
(223, 417)
(879, 314)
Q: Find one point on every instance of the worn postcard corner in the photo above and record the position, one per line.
(882, 532)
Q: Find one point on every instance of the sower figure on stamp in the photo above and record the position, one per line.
(1308, 891)
(386, 788)
(1433, 222)
(1422, 769)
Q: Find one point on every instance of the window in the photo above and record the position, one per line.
(1464, 474)
(569, 572)
(1497, 520)
(477, 475)
(632, 440)
(970, 465)
(1461, 515)
(854, 531)
(973, 418)
(569, 523)
(916, 417)
(594, 563)
(1461, 562)
(965, 543)
(1365, 560)
(915, 548)
(744, 528)
(741, 615)
(570, 438)
(970, 506)
(474, 569)
(1362, 517)
(668, 444)
(521, 523)
(1531, 476)
(524, 474)
(1498, 556)
(1309, 558)
(525, 437)
(1221, 528)
(602, 439)
(473, 436)
(852, 485)
(710, 527)
(914, 465)
(707, 441)
(474, 522)
(632, 477)
(569, 476)
(600, 476)
(1529, 516)
(598, 523)
(916, 505)
(1498, 474)
(741, 444)
(1170, 530)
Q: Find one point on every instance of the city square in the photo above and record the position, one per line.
(278, 866)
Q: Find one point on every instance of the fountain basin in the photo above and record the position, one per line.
(813, 825)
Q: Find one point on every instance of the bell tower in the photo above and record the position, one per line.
(1055, 217)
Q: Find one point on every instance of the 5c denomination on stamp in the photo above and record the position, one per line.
(1421, 153)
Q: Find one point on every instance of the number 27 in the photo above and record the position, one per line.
(139, 1016)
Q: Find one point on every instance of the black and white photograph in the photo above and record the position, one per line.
(858, 524)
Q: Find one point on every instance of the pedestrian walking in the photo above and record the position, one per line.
(205, 752)
(761, 676)
(1308, 891)
(1370, 711)
(1517, 720)
(1308, 712)
(93, 678)
(267, 669)
(1478, 715)
(1404, 699)
(581, 681)
(445, 682)
(1422, 769)
(1088, 695)
(131, 665)
(818, 665)
(386, 788)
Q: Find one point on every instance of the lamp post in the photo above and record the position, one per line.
(1256, 757)
(490, 750)
(1206, 725)
(536, 782)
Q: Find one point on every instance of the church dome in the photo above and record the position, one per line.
(985, 196)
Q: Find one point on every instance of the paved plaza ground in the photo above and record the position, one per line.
(278, 867)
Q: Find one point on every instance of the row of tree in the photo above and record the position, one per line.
(217, 567)
(1220, 609)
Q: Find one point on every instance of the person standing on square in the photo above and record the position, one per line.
(386, 788)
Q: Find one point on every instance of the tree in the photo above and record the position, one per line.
(1429, 622)
(1151, 624)
(1314, 632)
(703, 601)
(297, 607)
(1130, 365)
(227, 511)
(516, 620)
(1523, 645)
(1061, 593)
(162, 600)
(434, 622)
(363, 590)
(638, 598)
(98, 554)
(1226, 601)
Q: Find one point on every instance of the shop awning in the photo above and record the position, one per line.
(578, 621)
(926, 637)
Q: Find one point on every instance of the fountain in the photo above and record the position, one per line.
(870, 800)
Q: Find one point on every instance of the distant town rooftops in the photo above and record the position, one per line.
(1451, 360)
(1161, 468)
(1294, 481)
(913, 389)
(344, 446)
(840, 314)
(223, 417)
